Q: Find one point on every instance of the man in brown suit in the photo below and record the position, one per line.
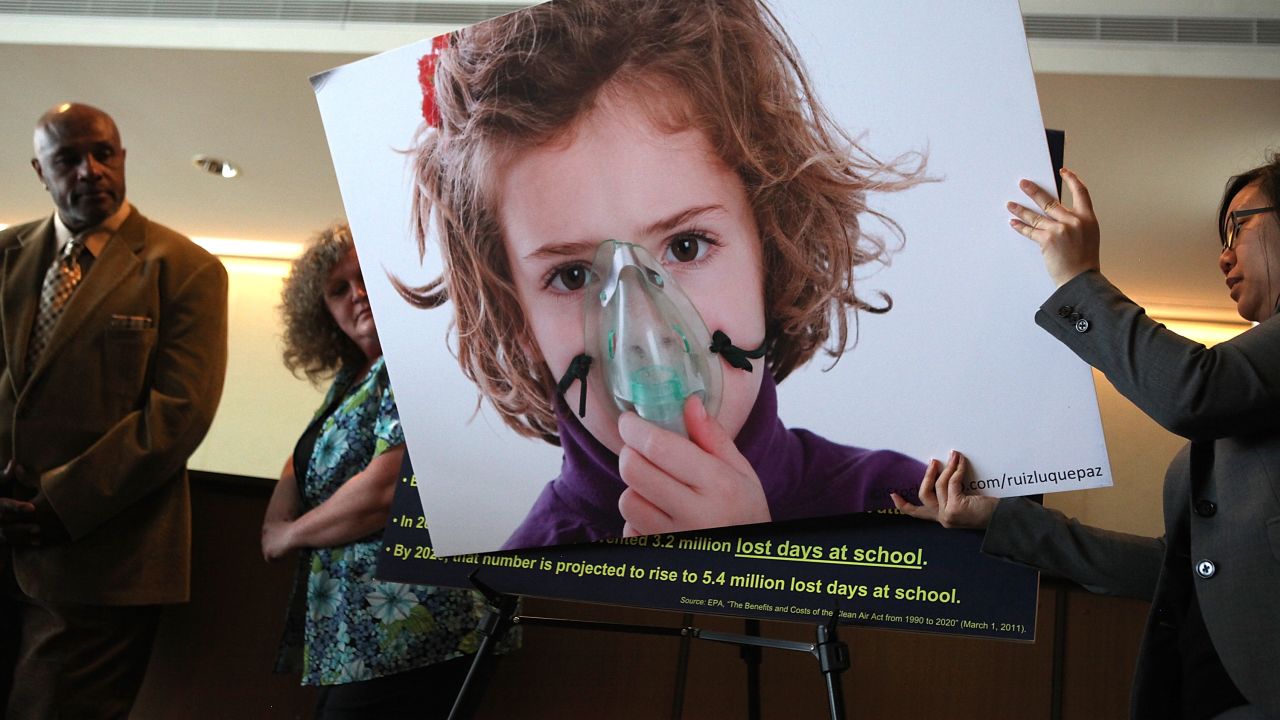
(114, 351)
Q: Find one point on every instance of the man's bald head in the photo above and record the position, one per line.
(79, 158)
(59, 119)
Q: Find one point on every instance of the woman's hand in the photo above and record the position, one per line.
(356, 510)
(282, 510)
(674, 484)
(942, 497)
(277, 539)
(1068, 237)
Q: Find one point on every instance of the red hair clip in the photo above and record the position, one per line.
(427, 79)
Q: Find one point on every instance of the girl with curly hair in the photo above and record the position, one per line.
(686, 134)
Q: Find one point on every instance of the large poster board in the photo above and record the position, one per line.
(957, 361)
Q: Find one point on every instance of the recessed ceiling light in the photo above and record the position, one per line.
(214, 166)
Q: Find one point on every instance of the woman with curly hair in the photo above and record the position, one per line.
(377, 649)
(586, 149)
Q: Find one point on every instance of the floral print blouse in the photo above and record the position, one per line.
(355, 627)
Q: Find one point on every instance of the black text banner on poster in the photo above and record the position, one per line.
(874, 570)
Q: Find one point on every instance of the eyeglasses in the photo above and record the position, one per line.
(1233, 224)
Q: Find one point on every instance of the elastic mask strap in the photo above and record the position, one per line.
(734, 355)
(578, 369)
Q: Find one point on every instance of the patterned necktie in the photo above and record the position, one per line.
(59, 284)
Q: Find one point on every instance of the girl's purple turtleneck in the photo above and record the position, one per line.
(803, 475)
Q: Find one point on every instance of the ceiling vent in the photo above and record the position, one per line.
(332, 11)
(1096, 28)
(1176, 30)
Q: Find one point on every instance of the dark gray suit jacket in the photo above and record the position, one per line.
(105, 420)
(1221, 493)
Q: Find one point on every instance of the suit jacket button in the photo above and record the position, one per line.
(1206, 569)
(1206, 508)
(1065, 311)
(1082, 325)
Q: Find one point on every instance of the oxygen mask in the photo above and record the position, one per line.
(650, 342)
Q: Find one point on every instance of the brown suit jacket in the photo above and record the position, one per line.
(106, 419)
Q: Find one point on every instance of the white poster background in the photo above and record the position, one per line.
(958, 362)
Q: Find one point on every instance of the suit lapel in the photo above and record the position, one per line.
(119, 260)
(24, 266)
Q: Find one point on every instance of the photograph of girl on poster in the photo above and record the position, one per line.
(643, 266)
(647, 221)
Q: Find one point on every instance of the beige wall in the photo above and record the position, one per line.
(264, 407)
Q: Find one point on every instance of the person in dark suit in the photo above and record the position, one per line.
(114, 351)
(1212, 640)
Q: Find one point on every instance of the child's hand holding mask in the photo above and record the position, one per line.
(676, 484)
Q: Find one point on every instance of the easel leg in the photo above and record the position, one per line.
(752, 656)
(682, 669)
(831, 652)
(833, 659)
(492, 628)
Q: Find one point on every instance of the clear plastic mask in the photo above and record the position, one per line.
(649, 342)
